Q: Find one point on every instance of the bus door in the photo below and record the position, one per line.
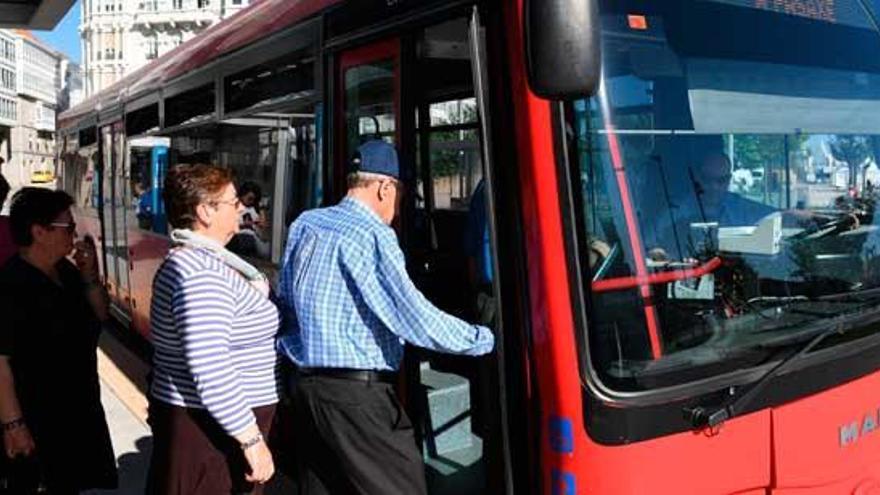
(114, 213)
(254, 147)
(417, 92)
(107, 208)
(124, 216)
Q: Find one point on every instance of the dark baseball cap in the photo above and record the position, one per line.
(376, 157)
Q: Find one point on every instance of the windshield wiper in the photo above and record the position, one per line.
(701, 417)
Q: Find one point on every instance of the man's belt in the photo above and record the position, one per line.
(367, 376)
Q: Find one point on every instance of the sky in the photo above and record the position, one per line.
(65, 37)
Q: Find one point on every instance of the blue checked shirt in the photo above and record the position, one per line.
(348, 301)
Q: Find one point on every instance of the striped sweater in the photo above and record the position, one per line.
(213, 339)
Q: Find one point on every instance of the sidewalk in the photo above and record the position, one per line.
(123, 388)
(132, 443)
(123, 378)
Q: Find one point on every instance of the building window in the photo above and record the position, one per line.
(152, 48)
(203, 3)
(9, 50)
(177, 4)
(7, 79)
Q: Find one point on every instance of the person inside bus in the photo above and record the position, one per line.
(50, 405)
(143, 201)
(348, 306)
(251, 237)
(7, 245)
(710, 200)
(214, 388)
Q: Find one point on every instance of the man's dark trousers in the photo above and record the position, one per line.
(353, 437)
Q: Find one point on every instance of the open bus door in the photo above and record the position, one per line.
(114, 166)
(418, 92)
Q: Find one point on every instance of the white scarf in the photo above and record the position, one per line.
(188, 238)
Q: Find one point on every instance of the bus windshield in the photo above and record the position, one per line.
(726, 180)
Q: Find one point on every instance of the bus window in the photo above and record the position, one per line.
(148, 157)
(716, 227)
(369, 103)
(251, 147)
(454, 154)
(195, 145)
(251, 151)
(303, 174)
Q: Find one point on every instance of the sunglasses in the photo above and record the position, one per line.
(70, 226)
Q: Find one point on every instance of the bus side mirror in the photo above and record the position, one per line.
(562, 47)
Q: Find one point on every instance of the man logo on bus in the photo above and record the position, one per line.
(851, 432)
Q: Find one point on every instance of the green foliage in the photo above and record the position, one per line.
(446, 160)
(853, 150)
(765, 150)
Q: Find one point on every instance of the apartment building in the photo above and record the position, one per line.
(120, 36)
(32, 138)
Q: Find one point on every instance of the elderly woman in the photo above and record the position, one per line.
(214, 391)
(50, 407)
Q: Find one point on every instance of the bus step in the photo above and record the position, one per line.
(448, 422)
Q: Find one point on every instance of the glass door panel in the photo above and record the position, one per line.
(108, 211)
(123, 209)
(369, 82)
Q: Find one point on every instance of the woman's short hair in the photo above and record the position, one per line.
(35, 206)
(188, 185)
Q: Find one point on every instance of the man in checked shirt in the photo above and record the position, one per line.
(349, 306)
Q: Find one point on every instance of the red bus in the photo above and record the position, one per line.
(681, 205)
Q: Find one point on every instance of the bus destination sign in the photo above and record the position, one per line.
(845, 12)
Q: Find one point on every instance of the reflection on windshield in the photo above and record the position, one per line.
(728, 186)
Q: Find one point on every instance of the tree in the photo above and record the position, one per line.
(765, 150)
(852, 150)
(445, 159)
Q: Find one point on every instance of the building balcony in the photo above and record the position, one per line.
(44, 125)
(47, 96)
(160, 12)
(116, 60)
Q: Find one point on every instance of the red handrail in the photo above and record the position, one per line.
(621, 283)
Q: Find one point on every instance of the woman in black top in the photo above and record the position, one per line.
(51, 311)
